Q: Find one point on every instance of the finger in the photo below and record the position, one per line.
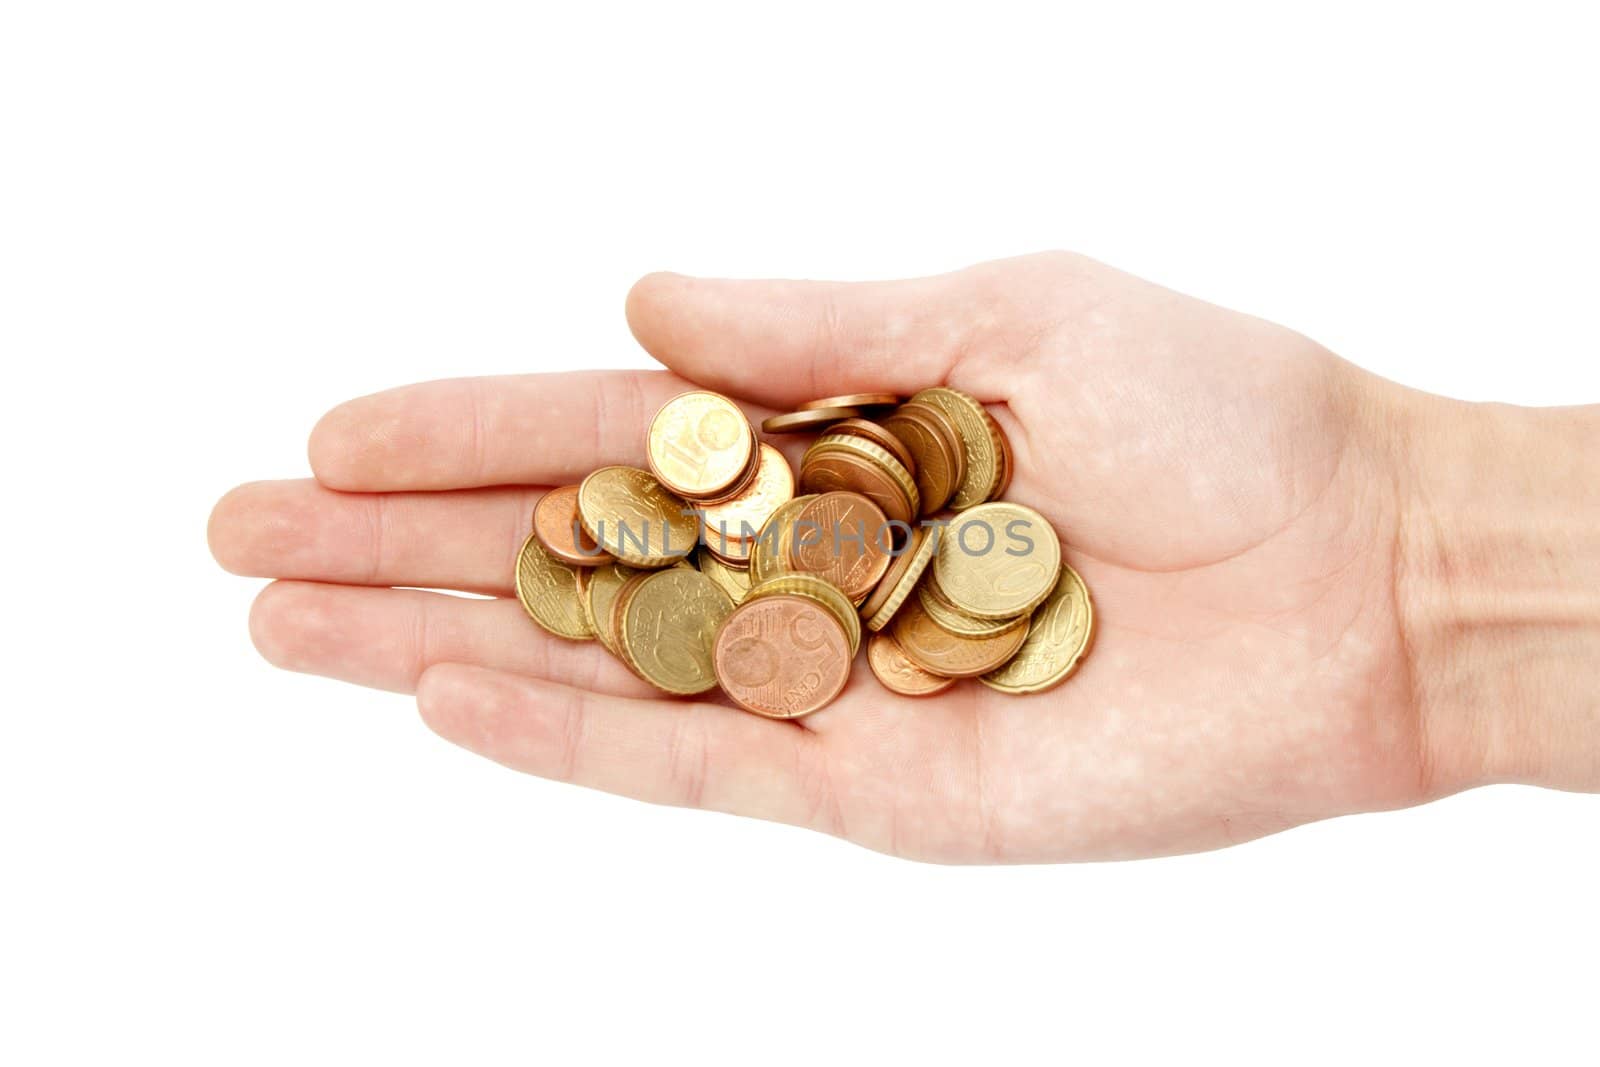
(464, 540)
(536, 429)
(785, 342)
(690, 754)
(386, 638)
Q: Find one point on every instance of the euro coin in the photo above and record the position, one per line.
(548, 591)
(871, 431)
(952, 618)
(998, 560)
(635, 519)
(823, 592)
(781, 656)
(935, 649)
(981, 442)
(900, 579)
(769, 556)
(898, 674)
(933, 442)
(598, 596)
(803, 421)
(734, 581)
(556, 523)
(700, 444)
(1061, 634)
(846, 463)
(733, 525)
(667, 626)
(853, 400)
(843, 539)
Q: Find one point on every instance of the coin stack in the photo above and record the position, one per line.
(719, 566)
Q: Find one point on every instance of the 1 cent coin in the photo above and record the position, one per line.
(700, 444)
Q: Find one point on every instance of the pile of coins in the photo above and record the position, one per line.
(719, 566)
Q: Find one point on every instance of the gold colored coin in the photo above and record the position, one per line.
(668, 623)
(820, 590)
(733, 525)
(853, 400)
(872, 431)
(732, 580)
(548, 590)
(981, 441)
(633, 517)
(952, 618)
(802, 421)
(936, 649)
(1061, 635)
(901, 579)
(998, 560)
(769, 556)
(898, 673)
(700, 444)
(600, 593)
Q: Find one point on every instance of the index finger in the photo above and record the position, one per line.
(461, 433)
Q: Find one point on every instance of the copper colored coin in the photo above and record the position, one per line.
(810, 419)
(885, 440)
(555, 521)
(700, 444)
(841, 538)
(853, 400)
(781, 656)
(740, 486)
(932, 440)
(898, 673)
(935, 649)
(826, 470)
(619, 611)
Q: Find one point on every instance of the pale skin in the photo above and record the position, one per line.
(1318, 593)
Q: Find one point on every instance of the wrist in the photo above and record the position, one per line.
(1498, 589)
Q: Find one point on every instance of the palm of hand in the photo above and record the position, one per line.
(1211, 475)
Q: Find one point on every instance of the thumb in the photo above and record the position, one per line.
(785, 342)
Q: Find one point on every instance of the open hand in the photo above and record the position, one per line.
(1226, 487)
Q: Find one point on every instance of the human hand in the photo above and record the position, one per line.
(1274, 618)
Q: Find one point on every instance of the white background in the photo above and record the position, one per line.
(219, 219)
